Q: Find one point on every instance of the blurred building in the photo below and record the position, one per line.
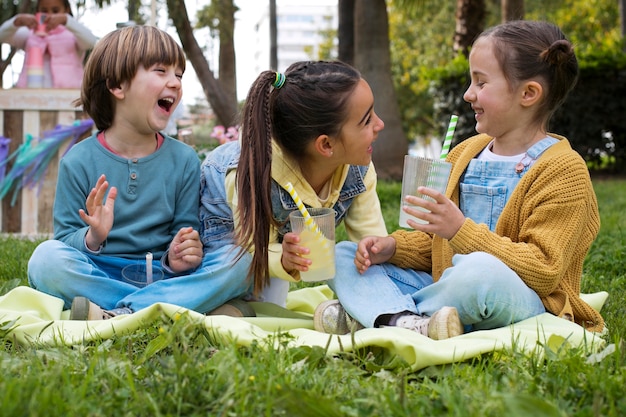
(301, 28)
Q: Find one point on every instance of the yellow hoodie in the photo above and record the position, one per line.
(364, 217)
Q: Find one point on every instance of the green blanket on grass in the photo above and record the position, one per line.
(40, 318)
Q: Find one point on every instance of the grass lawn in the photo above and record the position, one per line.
(178, 369)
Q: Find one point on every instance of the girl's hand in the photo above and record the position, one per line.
(54, 20)
(99, 215)
(292, 254)
(373, 250)
(25, 19)
(185, 250)
(445, 218)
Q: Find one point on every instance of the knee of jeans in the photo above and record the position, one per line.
(485, 271)
(42, 263)
(344, 257)
(345, 249)
(480, 267)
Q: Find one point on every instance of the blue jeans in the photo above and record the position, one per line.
(486, 292)
(65, 272)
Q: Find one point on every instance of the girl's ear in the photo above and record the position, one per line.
(323, 145)
(531, 93)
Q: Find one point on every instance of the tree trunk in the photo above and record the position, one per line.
(372, 58)
(273, 37)
(227, 65)
(218, 98)
(134, 13)
(622, 20)
(512, 10)
(345, 31)
(470, 22)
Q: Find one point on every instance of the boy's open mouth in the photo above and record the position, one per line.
(166, 103)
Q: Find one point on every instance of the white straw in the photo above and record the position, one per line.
(148, 268)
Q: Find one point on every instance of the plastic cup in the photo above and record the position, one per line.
(419, 171)
(136, 274)
(321, 243)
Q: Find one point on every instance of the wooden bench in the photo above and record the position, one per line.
(26, 111)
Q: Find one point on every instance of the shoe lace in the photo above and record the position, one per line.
(107, 314)
(413, 322)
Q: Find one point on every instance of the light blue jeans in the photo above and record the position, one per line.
(65, 272)
(486, 292)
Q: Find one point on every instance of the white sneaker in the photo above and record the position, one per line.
(445, 323)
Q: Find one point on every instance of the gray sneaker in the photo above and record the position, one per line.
(83, 309)
(330, 317)
(445, 323)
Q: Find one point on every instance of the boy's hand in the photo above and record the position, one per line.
(99, 216)
(185, 250)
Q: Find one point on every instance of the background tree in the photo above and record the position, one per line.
(512, 10)
(134, 12)
(345, 31)
(222, 104)
(219, 17)
(470, 22)
(273, 37)
(372, 58)
(421, 46)
(622, 19)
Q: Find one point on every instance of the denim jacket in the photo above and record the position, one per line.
(216, 216)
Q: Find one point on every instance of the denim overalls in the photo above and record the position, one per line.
(487, 185)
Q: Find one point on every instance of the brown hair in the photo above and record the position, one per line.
(536, 50)
(311, 102)
(115, 60)
(66, 4)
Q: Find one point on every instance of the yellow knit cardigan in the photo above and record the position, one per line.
(543, 233)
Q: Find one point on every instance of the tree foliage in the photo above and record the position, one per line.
(430, 79)
(589, 118)
(422, 39)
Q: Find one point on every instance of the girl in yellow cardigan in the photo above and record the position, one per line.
(507, 240)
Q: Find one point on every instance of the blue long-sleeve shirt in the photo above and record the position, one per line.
(157, 195)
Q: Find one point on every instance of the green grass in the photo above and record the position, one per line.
(177, 368)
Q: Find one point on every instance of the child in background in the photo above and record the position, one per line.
(508, 240)
(62, 45)
(128, 190)
(313, 126)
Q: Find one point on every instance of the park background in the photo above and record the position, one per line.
(412, 52)
(180, 368)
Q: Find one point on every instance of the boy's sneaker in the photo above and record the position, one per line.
(234, 308)
(83, 309)
(330, 317)
(445, 323)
